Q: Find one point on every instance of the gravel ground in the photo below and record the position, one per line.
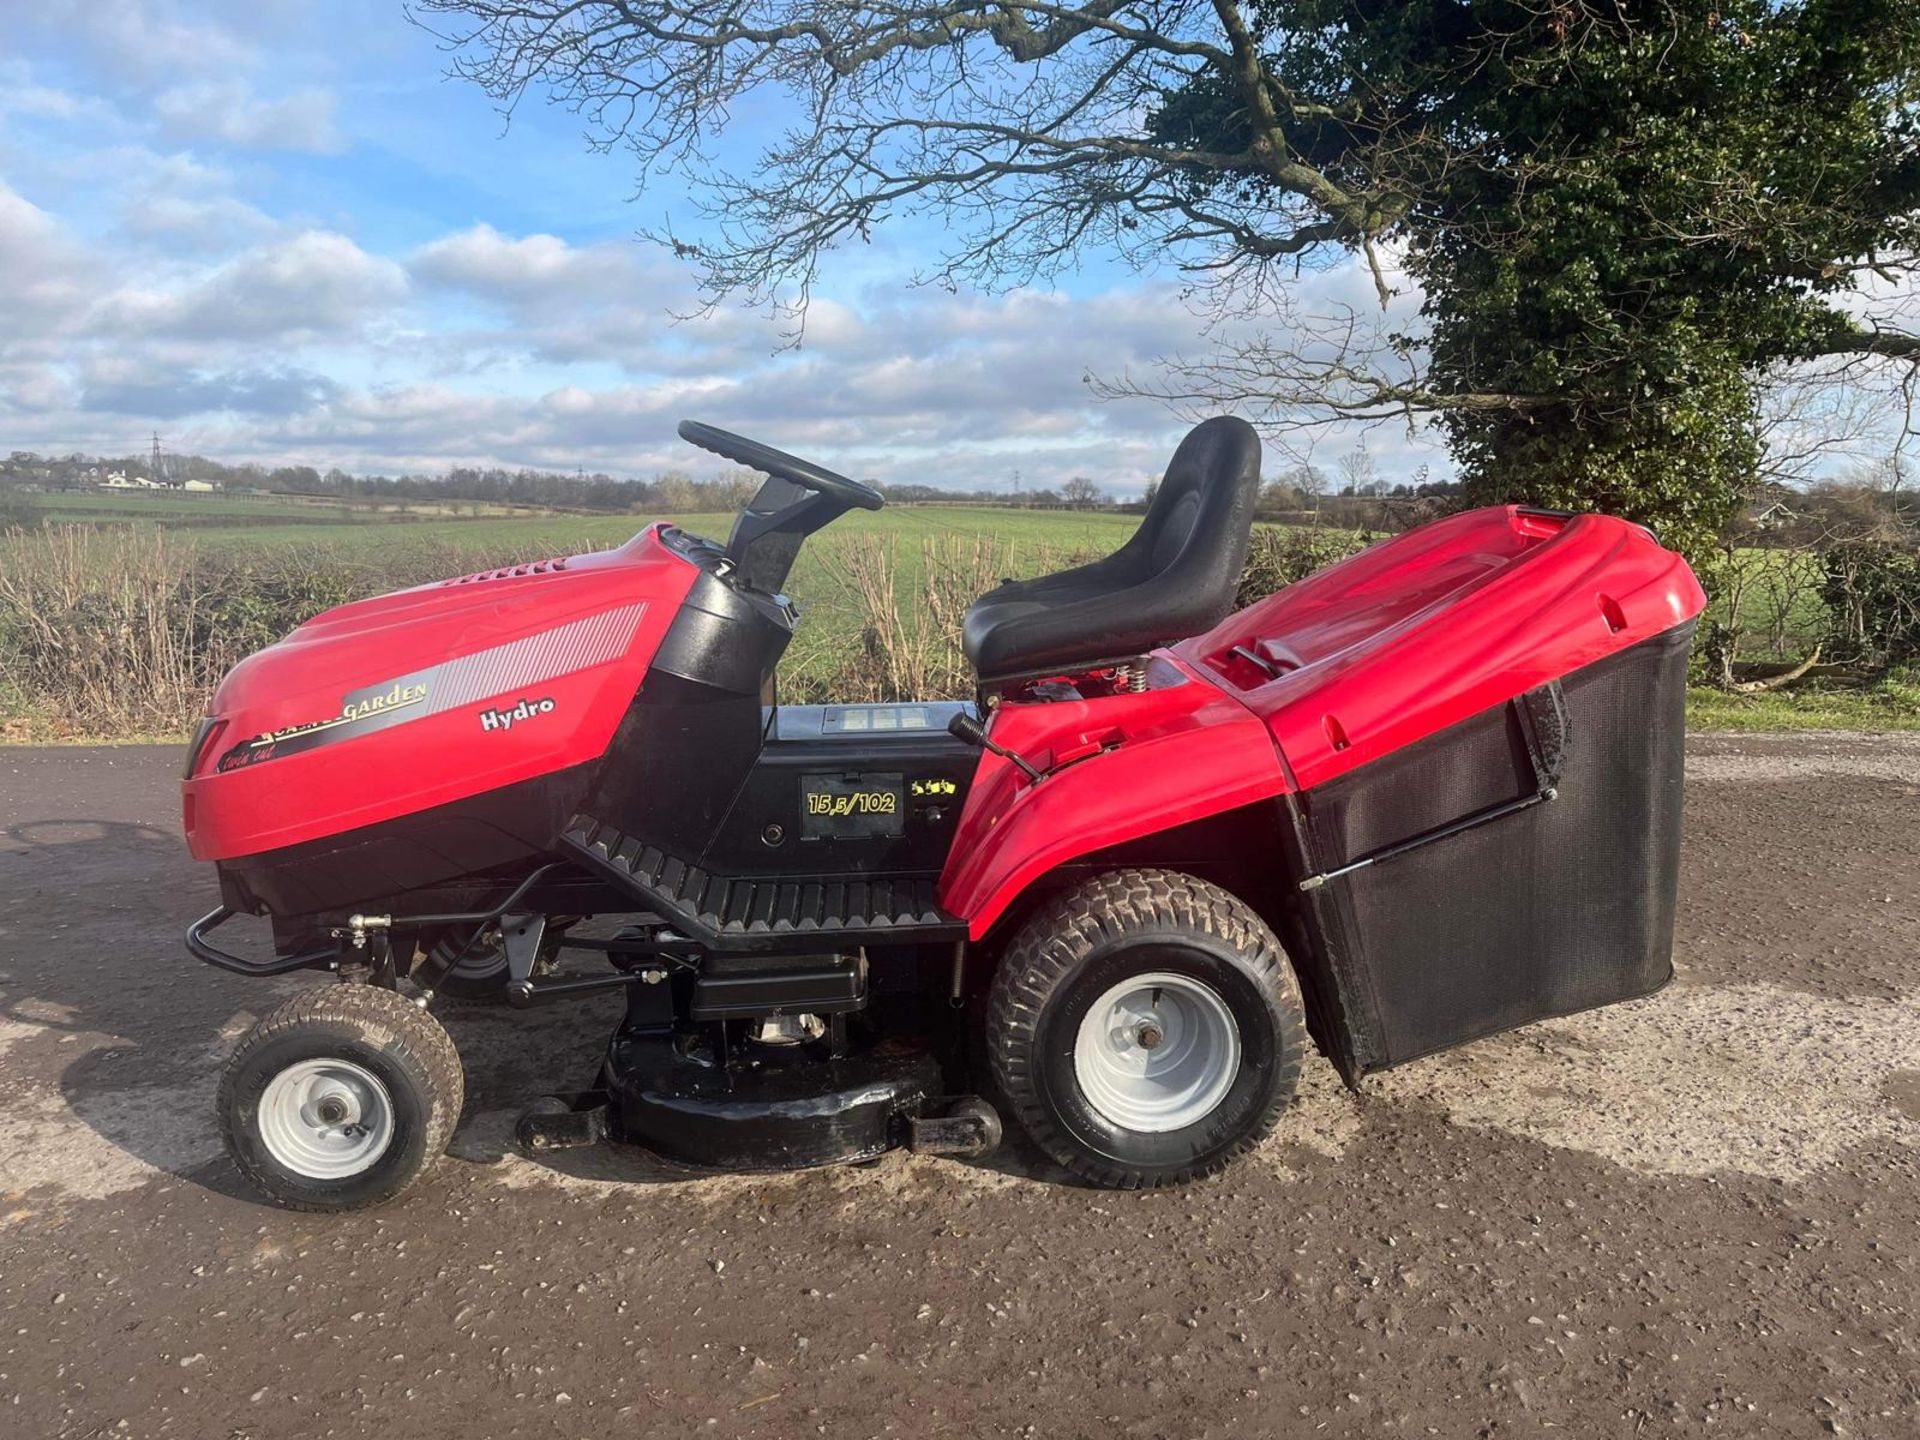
(1695, 1214)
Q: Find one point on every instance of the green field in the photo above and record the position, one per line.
(1032, 540)
(882, 593)
(485, 528)
(109, 629)
(566, 534)
(312, 513)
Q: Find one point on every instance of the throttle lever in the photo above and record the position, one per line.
(964, 727)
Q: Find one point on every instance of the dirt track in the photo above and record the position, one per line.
(1696, 1214)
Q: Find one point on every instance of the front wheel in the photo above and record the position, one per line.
(1146, 1029)
(340, 1098)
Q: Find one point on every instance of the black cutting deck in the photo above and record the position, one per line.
(765, 912)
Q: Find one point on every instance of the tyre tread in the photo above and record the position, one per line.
(382, 1018)
(1107, 909)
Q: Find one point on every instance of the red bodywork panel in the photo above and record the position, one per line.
(1180, 751)
(1423, 630)
(1405, 639)
(405, 702)
(422, 689)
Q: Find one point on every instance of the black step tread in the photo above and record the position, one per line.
(726, 907)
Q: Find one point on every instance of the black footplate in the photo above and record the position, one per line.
(764, 912)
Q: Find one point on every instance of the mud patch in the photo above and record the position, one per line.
(45, 1144)
(1903, 1089)
(87, 1147)
(1754, 1079)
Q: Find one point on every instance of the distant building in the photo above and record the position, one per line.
(1774, 506)
(199, 487)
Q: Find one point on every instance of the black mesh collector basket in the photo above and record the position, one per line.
(1518, 865)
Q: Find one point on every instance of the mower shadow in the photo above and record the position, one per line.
(105, 975)
(487, 1139)
(512, 1056)
(105, 1008)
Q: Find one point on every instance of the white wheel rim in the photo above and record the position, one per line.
(326, 1119)
(1157, 1052)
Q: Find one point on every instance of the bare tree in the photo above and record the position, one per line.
(1310, 482)
(1026, 127)
(1358, 474)
(1243, 142)
(1080, 492)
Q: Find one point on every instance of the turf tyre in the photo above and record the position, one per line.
(1082, 945)
(366, 1030)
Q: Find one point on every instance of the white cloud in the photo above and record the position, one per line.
(46, 281)
(149, 387)
(312, 284)
(228, 111)
(29, 391)
(262, 339)
(211, 224)
(135, 41)
(40, 101)
(612, 301)
(539, 268)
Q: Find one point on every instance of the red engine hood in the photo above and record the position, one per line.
(420, 697)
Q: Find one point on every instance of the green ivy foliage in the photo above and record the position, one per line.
(1621, 215)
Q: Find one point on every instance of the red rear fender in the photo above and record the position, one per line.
(1134, 765)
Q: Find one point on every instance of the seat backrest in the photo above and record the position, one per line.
(1176, 576)
(1201, 519)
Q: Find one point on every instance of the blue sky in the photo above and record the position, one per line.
(271, 230)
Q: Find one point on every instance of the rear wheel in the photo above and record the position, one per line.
(480, 969)
(340, 1098)
(1146, 1029)
(480, 973)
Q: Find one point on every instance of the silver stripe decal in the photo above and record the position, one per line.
(547, 655)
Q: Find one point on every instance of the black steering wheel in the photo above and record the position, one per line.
(781, 465)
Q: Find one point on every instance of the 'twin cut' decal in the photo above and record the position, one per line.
(516, 665)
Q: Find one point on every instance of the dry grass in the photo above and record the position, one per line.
(111, 632)
(104, 634)
(906, 602)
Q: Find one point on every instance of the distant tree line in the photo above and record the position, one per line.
(1302, 488)
(580, 490)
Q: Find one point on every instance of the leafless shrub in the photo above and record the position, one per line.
(122, 631)
(905, 635)
(1282, 554)
(100, 634)
(1872, 592)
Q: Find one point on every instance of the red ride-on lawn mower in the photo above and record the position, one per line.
(1427, 794)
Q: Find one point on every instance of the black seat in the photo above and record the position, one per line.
(1175, 577)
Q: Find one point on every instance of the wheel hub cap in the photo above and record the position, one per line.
(326, 1119)
(1157, 1052)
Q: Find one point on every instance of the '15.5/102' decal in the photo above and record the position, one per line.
(859, 802)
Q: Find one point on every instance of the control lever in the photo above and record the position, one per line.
(964, 727)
